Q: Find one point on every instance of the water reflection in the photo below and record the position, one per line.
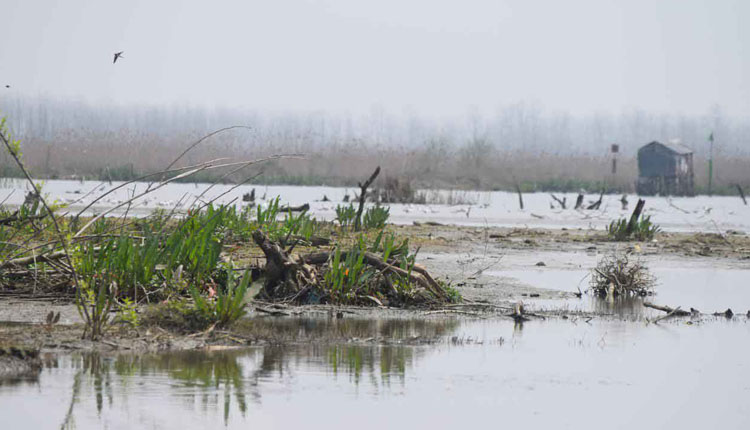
(228, 380)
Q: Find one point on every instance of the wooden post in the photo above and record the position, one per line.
(363, 197)
(742, 194)
(520, 195)
(634, 217)
(579, 201)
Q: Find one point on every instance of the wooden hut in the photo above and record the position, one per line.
(665, 169)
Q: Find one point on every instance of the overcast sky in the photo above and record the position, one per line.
(427, 56)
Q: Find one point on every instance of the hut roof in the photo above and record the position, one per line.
(677, 148)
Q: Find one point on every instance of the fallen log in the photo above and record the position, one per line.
(300, 208)
(674, 311)
(25, 261)
(15, 218)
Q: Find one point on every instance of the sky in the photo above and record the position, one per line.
(434, 57)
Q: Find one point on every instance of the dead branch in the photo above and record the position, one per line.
(25, 261)
(560, 202)
(674, 311)
(596, 204)
(15, 218)
(363, 196)
(742, 193)
(520, 195)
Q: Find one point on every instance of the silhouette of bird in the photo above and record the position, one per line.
(7, 86)
(118, 55)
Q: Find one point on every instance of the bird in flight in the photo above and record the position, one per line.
(7, 86)
(118, 55)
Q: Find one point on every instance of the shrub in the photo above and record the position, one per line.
(619, 275)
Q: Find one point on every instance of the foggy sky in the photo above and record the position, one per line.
(435, 57)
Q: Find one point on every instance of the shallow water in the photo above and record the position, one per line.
(700, 214)
(556, 374)
(706, 289)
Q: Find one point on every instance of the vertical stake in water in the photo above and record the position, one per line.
(710, 162)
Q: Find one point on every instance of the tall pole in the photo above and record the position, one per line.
(710, 162)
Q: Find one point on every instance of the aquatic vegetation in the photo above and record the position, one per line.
(642, 229)
(345, 215)
(223, 304)
(375, 217)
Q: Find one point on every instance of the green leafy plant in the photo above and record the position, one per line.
(643, 229)
(127, 312)
(225, 305)
(376, 217)
(345, 215)
(94, 302)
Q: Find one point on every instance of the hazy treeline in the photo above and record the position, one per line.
(521, 142)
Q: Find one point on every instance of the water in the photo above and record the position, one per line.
(698, 214)
(554, 374)
(707, 289)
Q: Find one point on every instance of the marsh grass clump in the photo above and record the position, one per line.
(621, 275)
(643, 229)
(226, 303)
(345, 215)
(376, 217)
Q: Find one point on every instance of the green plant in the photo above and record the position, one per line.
(94, 301)
(345, 215)
(266, 218)
(226, 305)
(643, 229)
(347, 274)
(127, 312)
(375, 217)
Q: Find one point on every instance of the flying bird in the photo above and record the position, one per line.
(118, 55)
(7, 86)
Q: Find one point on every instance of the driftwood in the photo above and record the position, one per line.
(25, 261)
(363, 196)
(288, 276)
(634, 217)
(300, 208)
(283, 274)
(15, 218)
(596, 204)
(579, 202)
(672, 311)
(249, 197)
(560, 202)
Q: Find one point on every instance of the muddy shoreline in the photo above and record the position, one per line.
(464, 256)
